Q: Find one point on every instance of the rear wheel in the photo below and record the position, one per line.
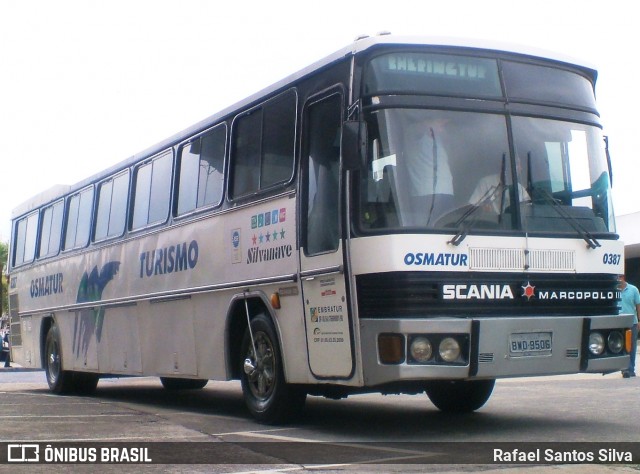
(459, 396)
(267, 396)
(59, 380)
(171, 383)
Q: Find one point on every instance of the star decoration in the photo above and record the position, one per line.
(529, 291)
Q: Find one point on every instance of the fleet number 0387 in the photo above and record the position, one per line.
(611, 258)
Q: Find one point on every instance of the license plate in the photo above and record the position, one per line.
(525, 344)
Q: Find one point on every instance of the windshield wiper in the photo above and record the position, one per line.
(486, 198)
(591, 241)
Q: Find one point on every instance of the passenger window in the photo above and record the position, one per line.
(79, 219)
(153, 191)
(201, 167)
(246, 156)
(51, 230)
(263, 146)
(112, 207)
(25, 239)
(279, 125)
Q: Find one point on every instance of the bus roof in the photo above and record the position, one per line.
(49, 195)
(361, 44)
(476, 44)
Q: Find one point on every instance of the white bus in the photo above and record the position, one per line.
(404, 216)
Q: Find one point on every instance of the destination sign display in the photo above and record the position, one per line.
(433, 73)
(436, 65)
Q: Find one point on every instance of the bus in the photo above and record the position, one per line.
(405, 216)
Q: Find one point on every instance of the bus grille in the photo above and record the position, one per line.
(16, 327)
(520, 259)
(485, 357)
(572, 353)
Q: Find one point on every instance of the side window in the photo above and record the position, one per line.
(152, 191)
(245, 167)
(263, 146)
(321, 169)
(24, 249)
(78, 222)
(112, 207)
(278, 140)
(51, 232)
(201, 165)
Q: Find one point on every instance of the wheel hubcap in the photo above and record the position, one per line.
(53, 363)
(260, 367)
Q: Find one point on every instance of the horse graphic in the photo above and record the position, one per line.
(89, 320)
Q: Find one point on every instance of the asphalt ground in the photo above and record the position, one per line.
(138, 410)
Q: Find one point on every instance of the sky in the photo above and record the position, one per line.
(84, 84)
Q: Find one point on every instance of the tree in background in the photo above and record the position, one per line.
(4, 301)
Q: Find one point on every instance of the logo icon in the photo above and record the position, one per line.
(528, 291)
(23, 453)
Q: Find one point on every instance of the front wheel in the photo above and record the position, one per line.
(459, 396)
(267, 396)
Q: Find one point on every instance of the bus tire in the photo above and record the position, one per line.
(173, 383)
(267, 395)
(60, 381)
(459, 396)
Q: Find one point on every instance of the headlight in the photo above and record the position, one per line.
(615, 342)
(596, 343)
(421, 349)
(449, 349)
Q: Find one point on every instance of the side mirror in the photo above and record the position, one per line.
(354, 144)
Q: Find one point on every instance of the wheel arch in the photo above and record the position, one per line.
(236, 325)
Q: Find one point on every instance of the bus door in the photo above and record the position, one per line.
(321, 254)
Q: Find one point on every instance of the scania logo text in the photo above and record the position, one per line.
(477, 292)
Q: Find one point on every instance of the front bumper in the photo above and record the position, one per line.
(489, 355)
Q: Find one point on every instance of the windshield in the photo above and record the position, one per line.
(444, 170)
(564, 167)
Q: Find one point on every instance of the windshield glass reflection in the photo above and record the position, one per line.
(454, 171)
